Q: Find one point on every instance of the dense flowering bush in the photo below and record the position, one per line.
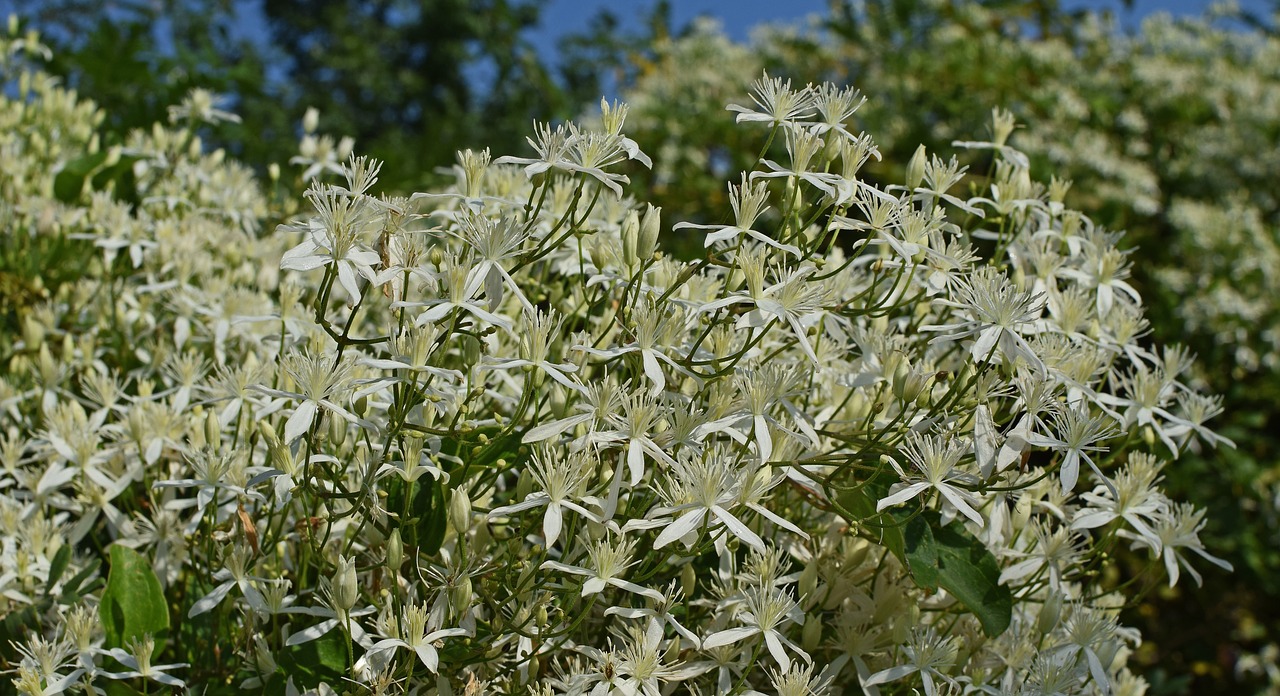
(1167, 131)
(491, 439)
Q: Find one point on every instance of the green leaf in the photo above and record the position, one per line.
(951, 558)
(858, 505)
(323, 660)
(132, 603)
(57, 567)
(424, 524)
(69, 183)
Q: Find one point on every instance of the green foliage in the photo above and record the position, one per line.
(947, 556)
(133, 603)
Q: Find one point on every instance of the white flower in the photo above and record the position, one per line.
(334, 238)
(138, 661)
(928, 654)
(608, 559)
(1077, 435)
(560, 478)
(415, 635)
(934, 458)
(765, 611)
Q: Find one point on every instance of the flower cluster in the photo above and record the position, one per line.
(491, 439)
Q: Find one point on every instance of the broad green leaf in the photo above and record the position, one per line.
(132, 603)
(951, 558)
(422, 524)
(858, 505)
(323, 660)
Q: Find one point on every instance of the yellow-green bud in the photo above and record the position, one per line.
(630, 240)
(1050, 612)
(688, 579)
(811, 634)
(809, 579)
(212, 430)
(460, 594)
(345, 590)
(337, 430)
(460, 511)
(650, 225)
(915, 168)
(395, 550)
(524, 486)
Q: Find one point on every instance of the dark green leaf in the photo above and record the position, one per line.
(422, 522)
(57, 567)
(132, 603)
(69, 183)
(323, 660)
(951, 558)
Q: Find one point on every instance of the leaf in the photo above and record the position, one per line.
(858, 505)
(423, 524)
(323, 660)
(951, 558)
(69, 183)
(57, 567)
(132, 603)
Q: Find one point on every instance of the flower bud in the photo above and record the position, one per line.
(811, 634)
(1002, 125)
(524, 485)
(310, 120)
(915, 169)
(650, 224)
(32, 332)
(1050, 613)
(395, 551)
(460, 511)
(460, 595)
(337, 430)
(630, 240)
(688, 580)
(345, 590)
(212, 430)
(809, 579)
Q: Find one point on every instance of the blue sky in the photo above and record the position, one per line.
(739, 16)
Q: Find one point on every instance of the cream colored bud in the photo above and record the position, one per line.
(32, 332)
(688, 579)
(524, 486)
(811, 634)
(460, 511)
(395, 550)
(310, 120)
(212, 430)
(337, 430)
(809, 579)
(630, 240)
(650, 225)
(1050, 613)
(273, 171)
(268, 433)
(345, 146)
(915, 168)
(345, 590)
